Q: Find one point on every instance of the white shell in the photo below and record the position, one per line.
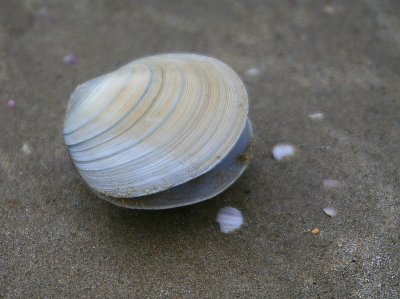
(253, 72)
(316, 116)
(330, 211)
(229, 219)
(154, 123)
(283, 151)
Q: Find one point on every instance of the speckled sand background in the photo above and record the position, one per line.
(341, 58)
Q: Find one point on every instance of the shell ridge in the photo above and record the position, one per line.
(80, 91)
(133, 144)
(99, 112)
(143, 96)
(121, 96)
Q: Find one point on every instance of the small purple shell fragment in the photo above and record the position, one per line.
(70, 59)
(11, 103)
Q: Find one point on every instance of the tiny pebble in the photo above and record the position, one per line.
(330, 211)
(315, 231)
(330, 184)
(253, 72)
(282, 151)
(11, 103)
(229, 219)
(26, 149)
(70, 59)
(316, 116)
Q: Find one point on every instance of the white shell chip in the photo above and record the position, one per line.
(253, 72)
(330, 211)
(316, 116)
(283, 151)
(229, 219)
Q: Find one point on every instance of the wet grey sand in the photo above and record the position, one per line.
(341, 58)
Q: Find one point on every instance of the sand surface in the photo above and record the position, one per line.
(341, 58)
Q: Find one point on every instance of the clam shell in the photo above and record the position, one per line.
(157, 124)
